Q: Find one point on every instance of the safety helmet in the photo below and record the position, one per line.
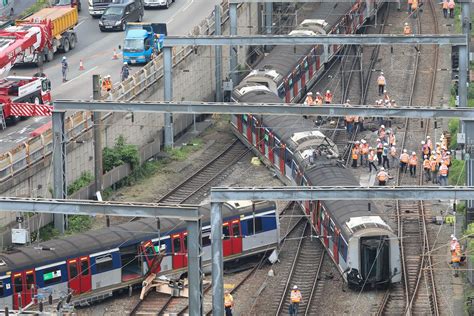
(329, 91)
(382, 168)
(404, 150)
(454, 238)
(388, 131)
(363, 141)
(385, 144)
(64, 57)
(382, 126)
(310, 93)
(393, 101)
(427, 137)
(357, 142)
(422, 142)
(370, 148)
(318, 93)
(125, 63)
(433, 152)
(448, 153)
(413, 153)
(295, 287)
(378, 139)
(381, 72)
(406, 23)
(441, 161)
(426, 157)
(348, 100)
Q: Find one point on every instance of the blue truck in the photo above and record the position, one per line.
(143, 41)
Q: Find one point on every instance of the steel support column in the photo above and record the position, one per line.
(195, 268)
(217, 260)
(168, 95)
(234, 75)
(97, 135)
(268, 17)
(218, 52)
(59, 164)
(463, 66)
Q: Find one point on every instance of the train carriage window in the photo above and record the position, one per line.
(226, 232)
(254, 226)
(30, 281)
(281, 91)
(85, 267)
(185, 242)
(72, 271)
(51, 275)
(245, 117)
(17, 283)
(343, 248)
(150, 251)
(235, 230)
(206, 240)
(104, 263)
(176, 245)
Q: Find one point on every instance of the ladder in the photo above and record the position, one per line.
(3, 124)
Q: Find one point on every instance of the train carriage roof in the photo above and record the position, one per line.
(109, 238)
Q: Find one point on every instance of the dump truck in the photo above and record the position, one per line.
(37, 38)
(143, 41)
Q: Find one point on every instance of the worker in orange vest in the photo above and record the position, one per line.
(427, 168)
(447, 159)
(319, 99)
(404, 161)
(406, 29)
(382, 176)
(328, 97)
(309, 99)
(355, 154)
(413, 161)
(451, 6)
(295, 298)
(381, 83)
(456, 261)
(414, 7)
(364, 152)
(379, 151)
(393, 154)
(434, 169)
(228, 303)
(372, 158)
(410, 2)
(445, 8)
(443, 174)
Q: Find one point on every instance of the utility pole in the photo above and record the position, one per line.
(218, 51)
(98, 170)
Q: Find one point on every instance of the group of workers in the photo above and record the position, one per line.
(448, 5)
(318, 99)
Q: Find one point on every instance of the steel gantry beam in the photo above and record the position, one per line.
(258, 108)
(342, 193)
(252, 40)
(221, 195)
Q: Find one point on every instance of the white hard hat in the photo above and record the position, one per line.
(427, 137)
(328, 91)
(452, 236)
(348, 100)
(382, 126)
(433, 152)
(441, 161)
(64, 57)
(404, 150)
(370, 148)
(413, 153)
(384, 91)
(448, 153)
(295, 287)
(406, 23)
(381, 72)
(318, 93)
(393, 101)
(310, 93)
(385, 144)
(422, 142)
(382, 168)
(378, 139)
(388, 131)
(125, 63)
(357, 142)
(426, 157)
(363, 141)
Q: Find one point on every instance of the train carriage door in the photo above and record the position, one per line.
(86, 275)
(178, 254)
(282, 159)
(184, 238)
(287, 91)
(249, 128)
(336, 245)
(270, 145)
(24, 288)
(149, 252)
(236, 237)
(239, 123)
(226, 239)
(73, 276)
(326, 229)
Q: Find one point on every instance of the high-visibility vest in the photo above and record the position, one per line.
(426, 164)
(308, 100)
(454, 245)
(364, 148)
(392, 139)
(319, 100)
(433, 165)
(451, 4)
(228, 300)
(393, 152)
(426, 149)
(355, 153)
(404, 158)
(379, 148)
(413, 160)
(443, 170)
(430, 144)
(349, 119)
(382, 176)
(328, 97)
(372, 157)
(296, 296)
(455, 257)
(410, 1)
(445, 5)
(414, 5)
(406, 30)
(447, 161)
(356, 118)
(381, 80)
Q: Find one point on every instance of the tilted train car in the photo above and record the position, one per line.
(357, 239)
(93, 265)
(289, 70)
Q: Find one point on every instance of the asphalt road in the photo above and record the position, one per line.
(95, 48)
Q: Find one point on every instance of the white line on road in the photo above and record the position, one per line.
(187, 6)
(93, 68)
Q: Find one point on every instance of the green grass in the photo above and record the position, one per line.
(40, 4)
(457, 173)
(184, 151)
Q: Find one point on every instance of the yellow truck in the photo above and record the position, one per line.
(53, 29)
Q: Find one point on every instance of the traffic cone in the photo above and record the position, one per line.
(115, 54)
(81, 65)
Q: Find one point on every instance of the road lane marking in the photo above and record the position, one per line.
(69, 81)
(187, 6)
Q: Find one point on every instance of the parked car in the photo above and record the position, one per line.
(158, 3)
(116, 16)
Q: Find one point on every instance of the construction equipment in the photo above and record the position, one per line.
(22, 97)
(37, 38)
(143, 41)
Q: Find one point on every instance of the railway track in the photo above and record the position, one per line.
(193, 188)
(417, 294)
